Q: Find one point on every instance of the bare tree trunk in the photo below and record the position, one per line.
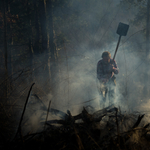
(31, 59)
(52, 46)
(43, 25)
(147, 28)
(45, 49)
(10, 43)
(37, 29)
(30, 46)
(5, 48)
(146, 88)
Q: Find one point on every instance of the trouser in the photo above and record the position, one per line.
(107, 92)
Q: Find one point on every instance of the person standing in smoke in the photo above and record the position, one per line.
(106, 68)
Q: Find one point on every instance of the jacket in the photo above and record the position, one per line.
(103, 69)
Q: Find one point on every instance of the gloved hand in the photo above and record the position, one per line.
(111, 68)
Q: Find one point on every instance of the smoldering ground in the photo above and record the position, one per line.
(77, 85)
(76, 82)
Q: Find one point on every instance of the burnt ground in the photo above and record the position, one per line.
(108, 128)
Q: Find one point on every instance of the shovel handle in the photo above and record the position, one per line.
(117, 46)
(108, 77)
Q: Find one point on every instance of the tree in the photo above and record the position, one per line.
(5, 47)
(51, 46)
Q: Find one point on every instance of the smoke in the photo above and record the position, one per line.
(85, 31)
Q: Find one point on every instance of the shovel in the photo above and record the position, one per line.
(122, 31)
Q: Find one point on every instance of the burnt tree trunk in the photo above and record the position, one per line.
(52, 47)
(146, 88)
(10, 43)
(45, 50)
(5, 49)
(42, 14)
(37, 29)
(30, 43)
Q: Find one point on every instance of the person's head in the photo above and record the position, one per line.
(106, 56)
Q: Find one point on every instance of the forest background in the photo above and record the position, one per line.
(56, 44)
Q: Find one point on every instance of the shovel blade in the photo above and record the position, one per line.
(122, 29)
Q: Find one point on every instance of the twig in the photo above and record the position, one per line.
(37, 97)
(19, 127)
(47, 114)
(81, 147)
(146, 126)
(138, 121)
